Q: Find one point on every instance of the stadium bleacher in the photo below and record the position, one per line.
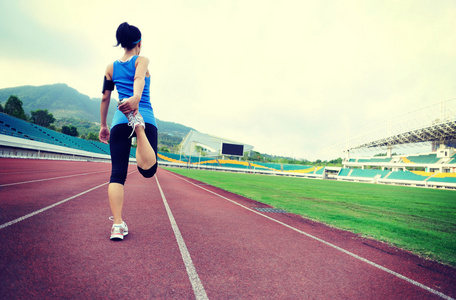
(424, 173)
(320, 170)
(406, 160)
(23, 129)
(369, 173)
(345, 172)
(422, 170)
(375, 160)
(406, 175)
(19, 128)
(453, 159)
(206, 161)
(444, 177)
(170, 157)
(298, 168)
(268, 166)
(366, 173)
(421, 159)
(233, 163)
(261, 166)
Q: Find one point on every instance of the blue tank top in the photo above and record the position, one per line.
(123, 76)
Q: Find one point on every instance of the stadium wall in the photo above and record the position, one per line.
(22, 148)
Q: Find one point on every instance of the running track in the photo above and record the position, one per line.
(187, 241)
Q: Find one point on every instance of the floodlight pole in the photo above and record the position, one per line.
(347, 143)
(389, 151)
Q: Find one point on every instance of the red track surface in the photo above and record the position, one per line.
(233, 250)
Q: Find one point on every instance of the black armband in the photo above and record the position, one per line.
(107, 85)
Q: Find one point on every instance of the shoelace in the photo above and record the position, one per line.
(133, 120)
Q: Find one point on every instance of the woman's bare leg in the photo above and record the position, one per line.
(116, 199)
(145, 154)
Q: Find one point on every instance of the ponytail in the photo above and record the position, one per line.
(127, 36)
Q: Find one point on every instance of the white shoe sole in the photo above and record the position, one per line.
(117, 236)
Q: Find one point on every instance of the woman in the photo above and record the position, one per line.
(134, 116)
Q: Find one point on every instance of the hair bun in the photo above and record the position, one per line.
(127, 35)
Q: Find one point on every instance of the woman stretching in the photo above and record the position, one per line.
(134, 117)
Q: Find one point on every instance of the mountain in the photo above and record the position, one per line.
(59, 99)
(66, 102)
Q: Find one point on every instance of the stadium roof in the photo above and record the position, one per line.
(443, 131)
(210, 144)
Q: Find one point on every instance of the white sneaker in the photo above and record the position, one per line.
(134, 121)
(125, 228)
(118, 231)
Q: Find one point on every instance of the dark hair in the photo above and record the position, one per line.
(127, 36)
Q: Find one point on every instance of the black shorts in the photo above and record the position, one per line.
(120, 146)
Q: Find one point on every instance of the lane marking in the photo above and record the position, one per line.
(53, 178)
(49, 207)
(53, 205)
(416, 283)
(198, 288)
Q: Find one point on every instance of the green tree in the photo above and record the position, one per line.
(92, 136)
(74, 131)
(13, 107)
(163, 149)
(70, 130)
(1, 108)
(255, 156)
(337, 161)
(42, 117)
(200, 150)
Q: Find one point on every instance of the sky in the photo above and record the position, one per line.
(290, 77)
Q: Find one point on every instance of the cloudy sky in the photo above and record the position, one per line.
(290, 77)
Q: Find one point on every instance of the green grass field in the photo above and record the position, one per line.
(420, 220)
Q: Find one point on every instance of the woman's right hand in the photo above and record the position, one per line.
(103, 135)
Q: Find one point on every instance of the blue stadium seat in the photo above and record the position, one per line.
(424, 159)
(344, 172)
(375, 160)
(406, 175)
(370, 173)
(19, 128)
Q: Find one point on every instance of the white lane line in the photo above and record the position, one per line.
(198, 288)
(49, 207)
(416, 283)
(55, 204)
(53, 178)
